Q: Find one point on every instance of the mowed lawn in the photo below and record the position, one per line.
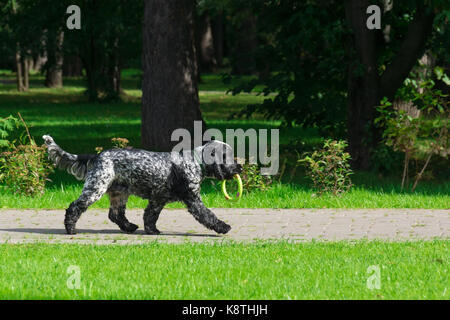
(79, 126)
(277, 270)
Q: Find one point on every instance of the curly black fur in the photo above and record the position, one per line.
(160, 177)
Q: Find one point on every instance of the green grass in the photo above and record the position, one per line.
(279, 196)
(79, 126)
(266, 270)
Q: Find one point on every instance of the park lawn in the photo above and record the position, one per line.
(264, 270)
(278, 196)
(79, 126)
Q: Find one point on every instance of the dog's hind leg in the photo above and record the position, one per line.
(118, 201)
(151, 215)
(205, 216)
(96, 185)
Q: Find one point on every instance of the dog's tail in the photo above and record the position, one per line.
(76, 165)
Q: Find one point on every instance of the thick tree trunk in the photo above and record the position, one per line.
(54, 75)
(170, 93)
(363, 82)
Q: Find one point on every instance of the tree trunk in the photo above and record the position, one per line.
(72, 66)
(53, 77)
(19, 78)
(26, 73)
(363, 84)
(90, 63)
(114, 71)
(411, 49)
(39, 62)
(170, 92)
(205, 44)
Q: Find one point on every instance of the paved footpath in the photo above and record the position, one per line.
(22, 226)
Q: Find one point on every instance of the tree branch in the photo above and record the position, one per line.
(411, 49)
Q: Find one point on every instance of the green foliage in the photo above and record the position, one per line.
(422, 136)
(329, 168)
(23, 167)
(252, 179)
(303, 57)
(110, 37)
(385, 160)
(8, 131)
(54, 109)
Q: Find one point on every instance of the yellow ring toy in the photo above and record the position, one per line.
(240, 188)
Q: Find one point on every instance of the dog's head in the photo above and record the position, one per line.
(218, 160)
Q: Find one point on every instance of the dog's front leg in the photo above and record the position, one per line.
(205, 216)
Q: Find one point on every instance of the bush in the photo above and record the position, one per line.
(252, 179)
(329, 168)
(9, 132)
(422, 136)
(24, 167)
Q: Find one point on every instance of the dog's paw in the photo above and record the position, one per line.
(70, 229)
(152, 231)
(222, 227)
(129, 227)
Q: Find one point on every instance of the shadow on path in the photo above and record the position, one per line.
(105, 231)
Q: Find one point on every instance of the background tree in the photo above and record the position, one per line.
(329, 70)
(109, 38)
(169, 89)
(20, 38)
(368, 81)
